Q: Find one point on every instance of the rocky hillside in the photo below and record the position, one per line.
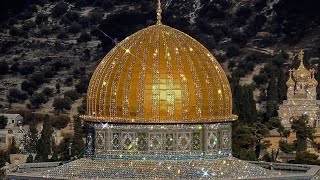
(49, 48)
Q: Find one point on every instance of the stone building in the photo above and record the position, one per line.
(301, 96)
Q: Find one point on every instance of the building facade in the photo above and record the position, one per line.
(301, 96)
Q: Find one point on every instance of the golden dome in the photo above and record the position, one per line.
(290, 82)
(312, 81)
(301, 74)
(159, 75)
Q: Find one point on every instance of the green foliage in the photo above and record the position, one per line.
(37, 99)
(38, 78)
(272, 98)
(15, 95)
(4, 67)
(4, 157)
(45, 141)
(286, 147)
(84, 37)
(244, 104)
(63, 148)
(274, 122)
(62, 104)
(48, 92)
(60, 122)
(71, 94)
(303, 132)
(60, 9)
(95, 17)
(62, 35)
(82, 85)
(3, 122)
(29, 86)
(41, 18)
(30, 159)
(13, 149)
(304, 157)
(75, 28)
(78, 143)
(281, 86)
(232, 50)
(26, 69)
(33, 138)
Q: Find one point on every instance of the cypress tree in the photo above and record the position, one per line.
(282, 88)
(272, 97)
(33, 137)
(78, 143)
(45, 141)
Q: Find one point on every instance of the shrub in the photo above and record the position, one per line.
(75, 28)
(72, 94)
(15, 95)
(70, 17)
(26, 69)
(41, 18)
(47, 91)
(60, 122)
(232, 50)
(60, 9)
(95, 17)
(38, 78)
(82, 85)
(62, 35)
(28, 25)
(29, 86)
(37, 99)
(4, 67)
(61, 104)
(84, 37)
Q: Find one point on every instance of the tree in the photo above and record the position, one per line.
(29, 86)
(3, 122)
(45, 141)
(75, 28)
(4, 67)
(281, 86)
(78, 143)
(304, 133)
(84, 37)
(60, 122)
(30, 159)
(60, 9)
(272, 97)
(62, 104)
(305, 157)
(13, 147)
(232, 50)
(286, 147)
(82, 86)
(37, 99)
(72, 94)
(48, 92)
(15, 95)
(26, 69)
(33, 137)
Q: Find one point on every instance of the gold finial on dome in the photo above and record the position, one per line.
(290, 82)
(301, 74)
(159, 11)
(301, 56)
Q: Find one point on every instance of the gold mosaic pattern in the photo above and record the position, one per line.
(159, 75)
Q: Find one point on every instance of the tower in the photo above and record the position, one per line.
(301, 96)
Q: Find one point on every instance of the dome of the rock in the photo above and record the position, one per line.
(159, 75)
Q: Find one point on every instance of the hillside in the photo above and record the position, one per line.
(49, 48)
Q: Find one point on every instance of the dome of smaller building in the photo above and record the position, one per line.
(312, 81)
(302, 74)
(290, 82)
